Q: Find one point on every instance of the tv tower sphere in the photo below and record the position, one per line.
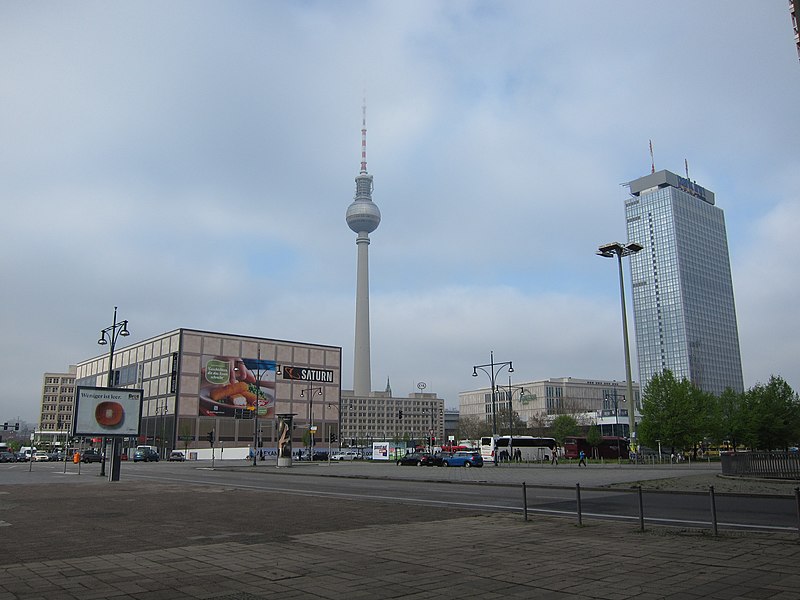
(363, 215)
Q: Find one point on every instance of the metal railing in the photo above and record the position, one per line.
(773, 465)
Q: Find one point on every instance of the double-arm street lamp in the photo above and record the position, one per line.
(494, 369)
(310, 391)
(109, 336)
(619, 250)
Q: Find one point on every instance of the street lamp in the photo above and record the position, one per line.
(260, 397)
(493, 372)
(511, 389)
(610, 251)
(109, 336)
(338, 408)
(311, 391)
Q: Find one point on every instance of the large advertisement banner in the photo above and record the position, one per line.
(102, 411)
(239, 387)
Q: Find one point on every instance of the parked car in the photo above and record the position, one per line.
(41, 456)
(344, 455)
(463, 459)
(22, 457)
(56, 456)
(176, 455)
(416, 458)
(8, 457)
(91, 455)
(145, 455)
(440, 457)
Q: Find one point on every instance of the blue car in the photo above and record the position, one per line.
(463, 459)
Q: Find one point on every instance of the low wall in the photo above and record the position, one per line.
(772, 465)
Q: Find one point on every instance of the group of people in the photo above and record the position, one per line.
(505, 456)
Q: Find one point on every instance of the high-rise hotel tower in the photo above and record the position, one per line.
(682, 289)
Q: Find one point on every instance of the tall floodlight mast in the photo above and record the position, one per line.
(363, 217)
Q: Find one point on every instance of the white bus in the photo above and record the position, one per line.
(531, 449)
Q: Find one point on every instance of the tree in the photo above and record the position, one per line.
(564, 426)
(675, 412)
(730, 419)
(508, 426)
(472, 428)
(773, 415)
(593, 438)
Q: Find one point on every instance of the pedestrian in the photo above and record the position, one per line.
(554, 457)
(582, 460)
(518, 455)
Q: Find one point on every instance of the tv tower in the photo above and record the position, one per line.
(363, 217)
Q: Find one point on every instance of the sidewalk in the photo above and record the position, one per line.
(143, 541)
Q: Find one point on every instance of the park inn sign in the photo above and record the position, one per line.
(304, 374)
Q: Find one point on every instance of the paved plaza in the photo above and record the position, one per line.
(143, 540)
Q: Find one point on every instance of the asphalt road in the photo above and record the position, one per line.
(484, 490)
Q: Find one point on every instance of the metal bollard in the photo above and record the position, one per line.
(641, 510)
(524, 501)
(713, 509)
(578, 498)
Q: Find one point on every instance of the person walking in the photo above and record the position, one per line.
(582, 460)
(554, 457)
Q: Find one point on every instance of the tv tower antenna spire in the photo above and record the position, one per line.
(364, 135)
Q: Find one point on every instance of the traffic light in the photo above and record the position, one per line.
(16, 426)
(399, 414)
(333, 436)
(210, 437)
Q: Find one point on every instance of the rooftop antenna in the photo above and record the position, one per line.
(686, 165)
(652, 160)
(364, 135)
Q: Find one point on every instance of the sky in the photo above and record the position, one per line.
(192, 162)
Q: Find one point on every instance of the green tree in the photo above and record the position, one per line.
(773, 415)
(564, 426)
(729, 420)
(675, 412)
(594, 438)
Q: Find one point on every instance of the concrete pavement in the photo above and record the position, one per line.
(142, 540)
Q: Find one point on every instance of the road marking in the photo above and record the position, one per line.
(474, 506)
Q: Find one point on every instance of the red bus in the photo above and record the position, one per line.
(610, 446)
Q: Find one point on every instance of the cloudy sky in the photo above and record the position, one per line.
(191, 163)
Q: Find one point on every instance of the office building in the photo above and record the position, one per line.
(538, 402)
(681, 280)
(58, 400)
(382, 416)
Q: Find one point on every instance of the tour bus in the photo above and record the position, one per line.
(610, 446)
(530, 448)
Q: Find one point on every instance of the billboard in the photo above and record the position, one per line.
(380, 450)
(232, 386)
(102, 411)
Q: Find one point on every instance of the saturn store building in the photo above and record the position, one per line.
(196, 382)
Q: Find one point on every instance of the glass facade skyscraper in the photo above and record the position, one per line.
(683, 304)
